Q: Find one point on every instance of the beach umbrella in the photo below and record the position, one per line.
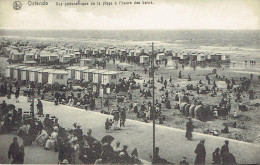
(107, 139)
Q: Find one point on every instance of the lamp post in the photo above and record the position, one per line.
(153, 103)
(101, 96)
(32, 108)
(108, 92)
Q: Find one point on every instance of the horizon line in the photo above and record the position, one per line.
(123, 29)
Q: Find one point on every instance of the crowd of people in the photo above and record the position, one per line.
(73, 146)
(52, 136)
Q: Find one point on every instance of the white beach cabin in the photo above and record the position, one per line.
(144, 59)
(58, 76)
(201, 57)
(17, 56)
(79, 72)
(71, 71)
(131, 53)
(137, 53)
(25, 73)
(160, 56)
(17, 72)
(9, 70)
(43, 75)
(29, 57)
(225, 57)
(65, 58)
(102, 51)
(33, 74)
(184, 56)
(215, 57)
(88, 75)
(97, 76)
(85, 62)
(109, 77)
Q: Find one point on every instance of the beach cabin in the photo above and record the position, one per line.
(95, 52)
(131, 53)
(102, 51)
(79, 72)
(58, 76)
(33, 74)
(111, 52)
(109, 77)
(88, 75)
(184, 56)
(53, 57)
(225, 57)
(9, 70)
(215, 57)
(86, 62)
(29, 57)
(193, 57)
(168, 52)
(17, 72)
(144, 59)
(16, 56)
(201, 57)
(122, 52)
(87, 51)
(44, 58)
(160, 56)
(97, 76)
(72, 56)
(77, 54)
(43, 75)
(174, 54)
(137, 53)
(71, 71)
(25, 73)
(65, 59)
(161, 50)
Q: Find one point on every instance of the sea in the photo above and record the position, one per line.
(240, 44)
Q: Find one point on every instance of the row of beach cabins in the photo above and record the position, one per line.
(64, 54)
(51, 76)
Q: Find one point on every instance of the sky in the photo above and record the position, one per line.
(162, 14)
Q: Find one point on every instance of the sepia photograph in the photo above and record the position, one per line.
(130, 82)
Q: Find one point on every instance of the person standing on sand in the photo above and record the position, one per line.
(165, 84)
(179, 74)
(200, 152)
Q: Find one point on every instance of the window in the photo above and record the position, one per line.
(60, 76)
(113, 76)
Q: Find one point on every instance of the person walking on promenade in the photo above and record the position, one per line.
(200, 152)
(40, 108)
(224, 149)
(13, 150)
(216, 156)
(189, 129)
(20, 156)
